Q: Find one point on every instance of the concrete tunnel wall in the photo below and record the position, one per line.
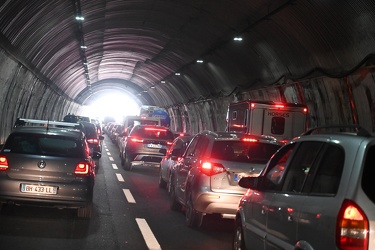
(347, 100)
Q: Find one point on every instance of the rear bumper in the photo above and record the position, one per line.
(221, 203)
(71, 195)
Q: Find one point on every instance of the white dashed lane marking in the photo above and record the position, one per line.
(119, 177)
(128, 196)
(111, 159)
(114, 166)
(149, 237)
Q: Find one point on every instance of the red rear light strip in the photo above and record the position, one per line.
(82, 168)
(3, 163)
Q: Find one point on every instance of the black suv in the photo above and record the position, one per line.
(145, 145)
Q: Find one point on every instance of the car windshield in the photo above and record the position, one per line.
(43, 145)
(153, 133)
(241, 151)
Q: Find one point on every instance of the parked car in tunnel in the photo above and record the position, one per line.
(145, 145)
(47, 165)
(316, 192)
(178, 147)
(205, 179)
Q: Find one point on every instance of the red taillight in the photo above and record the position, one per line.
(352, 227)
(210, 169)
(305, 110)
(156, 129)
(169, 143)
(3, 163)
(279, 106)
(250, 139)
(93, 141)
(136, 140)
(82, 168)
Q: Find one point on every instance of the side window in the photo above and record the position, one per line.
(201, 146)
(276, 168)
(329, 170)
(191, 149)
(300, 166)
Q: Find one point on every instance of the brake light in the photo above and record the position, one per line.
(93, 141)
(156, 129)
(305, 110)
(3, 163)
(279, 106)
(352, 227)
(210, 169)
(246, 139)
(136, 140)
(169, 143)
(82, 168)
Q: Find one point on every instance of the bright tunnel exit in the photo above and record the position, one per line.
(116, 106)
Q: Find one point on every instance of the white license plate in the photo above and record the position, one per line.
(38, 189)
(154, 146)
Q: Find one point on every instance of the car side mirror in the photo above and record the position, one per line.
(101, 137)
(249, 182)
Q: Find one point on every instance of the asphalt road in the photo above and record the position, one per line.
(130, 212)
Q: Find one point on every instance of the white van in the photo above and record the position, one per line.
(281, 120)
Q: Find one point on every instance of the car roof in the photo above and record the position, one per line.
(221, 135)
(71, 132)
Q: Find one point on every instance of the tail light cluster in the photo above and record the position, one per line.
(3, 163)
(352, 227)
(83, 169)
(93, 141)
(209, 168)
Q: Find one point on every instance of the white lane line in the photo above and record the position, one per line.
(149, 237)
(111, 159)
(128, 196)
(114, 166)
(119, 177)
(107, 149)
(108, 153)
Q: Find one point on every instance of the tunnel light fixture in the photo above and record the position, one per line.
(162, 81)
(80, 18)
(237, 38)
(177, 74)
(199, 61)
(83, 47)
(152, 87)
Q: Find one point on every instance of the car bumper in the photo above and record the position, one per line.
(224, 204)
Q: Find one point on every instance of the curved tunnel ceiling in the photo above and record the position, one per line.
(138, 46)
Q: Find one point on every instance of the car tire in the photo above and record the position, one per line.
(162, 183)
(193, 218)
(85, 212)
(174, 204)
(238, 236)
(127, 162)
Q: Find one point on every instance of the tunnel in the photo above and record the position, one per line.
(191, 57)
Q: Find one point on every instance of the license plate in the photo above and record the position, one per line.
(154, 146)
(38, 189)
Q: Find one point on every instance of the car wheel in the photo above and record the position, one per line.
(193, 218)
(85, 212)
(238, 239)
(127, 162)
(174, 204)
(162, 183)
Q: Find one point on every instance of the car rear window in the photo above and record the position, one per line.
(44, 145)
(369, 174)
(240, 151)
(153, 133)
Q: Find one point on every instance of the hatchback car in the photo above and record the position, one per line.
(205, 179)
(178, 147)
(316, 192)
(145, 145)
(47, 166)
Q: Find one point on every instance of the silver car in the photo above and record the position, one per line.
(315, 193)
(205, 179)
(178, 147)
(47, 165)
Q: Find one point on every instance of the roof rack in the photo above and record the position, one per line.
(20, 122)
(338, 128)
